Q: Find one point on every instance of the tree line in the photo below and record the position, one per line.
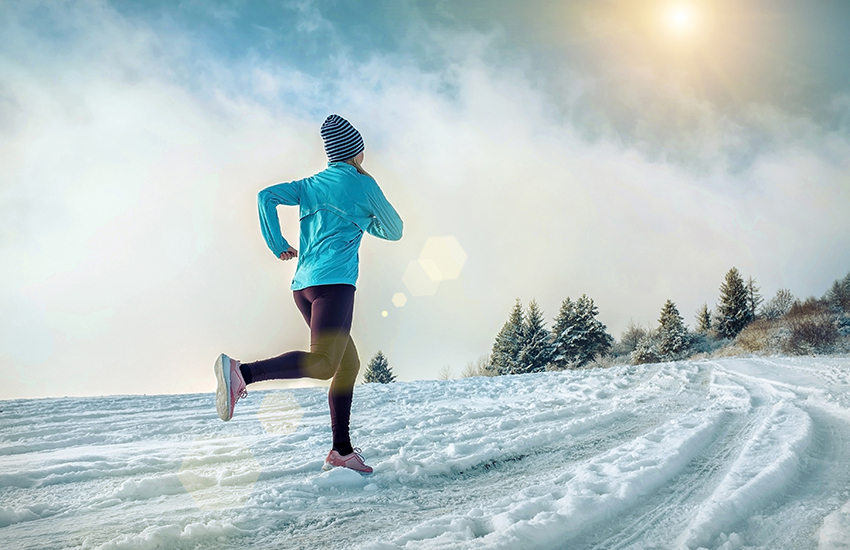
(741, 321)
(525, 345)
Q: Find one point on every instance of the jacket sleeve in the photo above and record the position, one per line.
(267, 201)
(386, 223)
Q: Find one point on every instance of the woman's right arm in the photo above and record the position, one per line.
(267, 201)
(386, 223)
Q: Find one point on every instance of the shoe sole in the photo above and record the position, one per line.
(222, 392)
(327, 467)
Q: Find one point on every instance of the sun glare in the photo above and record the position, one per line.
(681, 18)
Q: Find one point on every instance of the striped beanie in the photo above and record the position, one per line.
(342, 140)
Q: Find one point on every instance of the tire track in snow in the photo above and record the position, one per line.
(659, 518)
(768, 462)
(807, 507)
(793, 518)
(777, 487)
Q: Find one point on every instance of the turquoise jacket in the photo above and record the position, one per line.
(336, 206)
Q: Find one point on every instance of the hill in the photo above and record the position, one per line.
(731, 453)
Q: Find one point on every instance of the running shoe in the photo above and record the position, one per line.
(352, 461)
(231, 386)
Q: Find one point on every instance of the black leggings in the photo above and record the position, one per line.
(328, 310)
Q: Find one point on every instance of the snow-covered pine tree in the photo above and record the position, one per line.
(779, 305)
(733, 311)
(703, 320)
(379, 370)
(838, 296)
(577, 335)
(564, 331)
(646, 351)
(673, 338)
(506, 348)
(536, 350)
(754, 299)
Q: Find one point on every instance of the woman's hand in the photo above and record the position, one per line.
(289, 254)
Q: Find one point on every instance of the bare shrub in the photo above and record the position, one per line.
(629, 338)
(812, 306)
(810, 334)
(478, 368)
(755, 336)
(778, 305)
(606, 361)
(728, 350)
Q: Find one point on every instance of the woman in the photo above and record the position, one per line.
(336, 206)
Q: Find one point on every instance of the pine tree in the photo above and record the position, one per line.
(505, 355)
(536, 349)
(838, 296)
(673, 338)
(563, 332)
(379, 370)
(754, 299)
(704, 320)
(577, 335)
(734, 307)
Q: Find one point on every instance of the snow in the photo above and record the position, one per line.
(728, 454)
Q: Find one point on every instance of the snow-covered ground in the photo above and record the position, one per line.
(728, 454)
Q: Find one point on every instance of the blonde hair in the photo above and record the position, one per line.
(353, 162)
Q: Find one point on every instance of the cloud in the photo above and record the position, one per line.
(133, 164)
(692, 100)
(310, 18)
(129, 204)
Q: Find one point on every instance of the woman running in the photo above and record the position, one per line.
(335, 207)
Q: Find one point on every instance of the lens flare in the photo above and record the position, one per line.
(399, 299)
(219, 473)
(280, 413)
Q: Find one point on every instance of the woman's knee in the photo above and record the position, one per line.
(320, 368)
(327, 371)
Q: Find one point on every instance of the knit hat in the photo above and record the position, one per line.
(342, 140)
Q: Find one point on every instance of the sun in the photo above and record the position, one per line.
(681, 18)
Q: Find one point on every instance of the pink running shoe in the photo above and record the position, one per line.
(231, 386)
(353, 462)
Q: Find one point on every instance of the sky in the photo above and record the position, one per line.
(633, 151)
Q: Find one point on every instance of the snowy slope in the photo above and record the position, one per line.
(727, 454)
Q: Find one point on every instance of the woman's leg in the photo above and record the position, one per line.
(328, 310)
(340, 396)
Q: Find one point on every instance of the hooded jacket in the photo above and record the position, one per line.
(335, 207)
